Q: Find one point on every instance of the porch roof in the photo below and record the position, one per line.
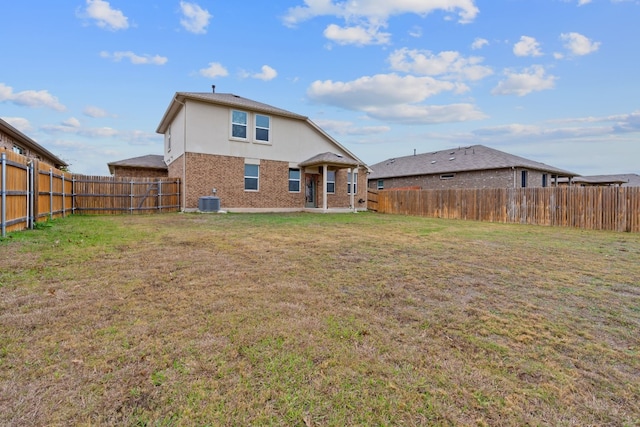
(331, 159)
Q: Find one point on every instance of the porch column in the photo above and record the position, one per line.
(351, 187)
(324, 186)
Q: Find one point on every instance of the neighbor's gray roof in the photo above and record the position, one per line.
(226, 99)
(627, 180)
(23, 139)
(150, 161)
(462, 159)
(330, 159)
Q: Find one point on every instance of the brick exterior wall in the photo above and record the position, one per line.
(495, 178)
(7, 142)
(128, 172)
(226, 174)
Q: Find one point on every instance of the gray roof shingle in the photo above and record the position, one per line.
(330, 159)
(150, 161)
(461, 159)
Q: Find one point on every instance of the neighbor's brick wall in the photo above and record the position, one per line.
(120, 172)
(7, 142)
(498, 178)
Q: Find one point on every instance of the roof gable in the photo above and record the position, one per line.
(234, 101)
(461, 159)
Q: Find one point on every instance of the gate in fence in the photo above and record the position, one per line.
(32, 191)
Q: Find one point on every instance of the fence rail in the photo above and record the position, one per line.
(32, 191)
(591, 208)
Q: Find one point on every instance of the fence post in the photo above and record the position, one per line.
(64, 213)
(73, 194)
(51, 193)
(131, 197)
(159, 203)
(30, 196)
(3, 192)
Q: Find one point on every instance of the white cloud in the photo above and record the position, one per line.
(379, 9)
(371, 15)
(527, 46)
(448, 64)
(479, 43)
(19, 123)
(195, 19)
(415, 32)
(427, 114)
(30, 98)
(578, 44)
(394, 98)
(215, 69)
(94, 112)
(266, 74)
(357, 35)
(583, 2)
(105, 16)
(381, 89)
(340, 127)
(71, 122)
(134, 58)
(532, 79)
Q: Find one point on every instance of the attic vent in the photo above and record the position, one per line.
(451, 158)
(433, 161)
(453, 152)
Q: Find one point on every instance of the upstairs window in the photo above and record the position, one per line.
(239, 124)
(17, 149)
(263, 128)
(380, 184)
(294, 180)
(251, 177)
(331, 182)
(523, 179)
(353, 175)
(545, 180)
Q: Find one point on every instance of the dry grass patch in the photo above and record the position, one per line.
(312, 320)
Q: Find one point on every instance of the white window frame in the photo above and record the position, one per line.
(246, 126)
(332, 182)
(169, 139)
(256, 177)
(256, 128)
(380, 184)
(17, 149)
(353, 175)
(292, 180)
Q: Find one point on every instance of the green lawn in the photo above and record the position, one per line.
(317, 320)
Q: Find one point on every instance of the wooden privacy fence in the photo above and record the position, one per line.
(590, 208)
(32, 191)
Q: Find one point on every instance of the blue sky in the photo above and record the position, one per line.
(555, 81)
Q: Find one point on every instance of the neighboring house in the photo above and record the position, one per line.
(256, 156)
(149, 166)
(620, 180)
(13, 140)
(476, 166)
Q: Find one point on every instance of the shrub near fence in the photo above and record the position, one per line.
(591, 208)
(32, 191)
